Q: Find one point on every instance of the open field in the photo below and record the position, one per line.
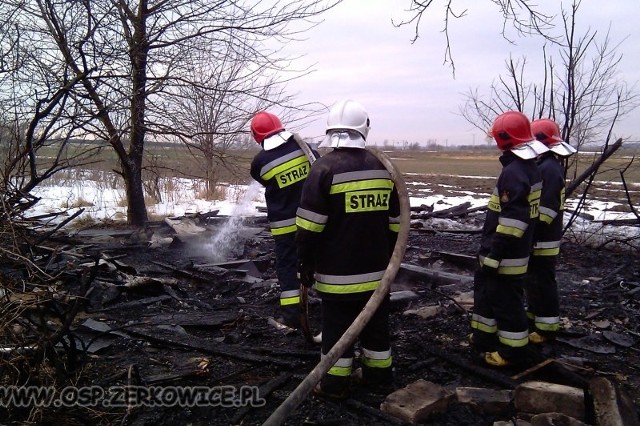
(455, 173)
(234, 164)
(485, 163)
(447, 173)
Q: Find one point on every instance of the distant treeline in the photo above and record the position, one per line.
(628, 148)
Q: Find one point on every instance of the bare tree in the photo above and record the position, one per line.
(211, 116)
(37, 117)
(129, 55)
(581, 90)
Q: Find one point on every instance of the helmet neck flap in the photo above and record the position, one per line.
(530, 150)
(276, 140)
(343, 139)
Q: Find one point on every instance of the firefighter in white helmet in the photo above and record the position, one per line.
(281, 167)
(499, 320)
(348, 223)
(543, 305)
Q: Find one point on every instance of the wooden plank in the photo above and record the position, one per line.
(438, 277)
(168, 337)
(459, 259)
(194, 319)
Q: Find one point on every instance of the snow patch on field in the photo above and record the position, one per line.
(180, 198)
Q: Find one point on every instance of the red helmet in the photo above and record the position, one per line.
(546, 131)
(265, 124)
(511, 129)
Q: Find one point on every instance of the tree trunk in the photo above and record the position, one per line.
(136, 207)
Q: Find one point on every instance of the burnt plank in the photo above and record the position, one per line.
(194, 319)
(168, 337)
(436, 277)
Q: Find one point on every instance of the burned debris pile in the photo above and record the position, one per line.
(113, 310)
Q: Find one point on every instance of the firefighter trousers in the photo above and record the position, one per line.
(499, 320)
(543, 305)
(287, 272)
(375, 344)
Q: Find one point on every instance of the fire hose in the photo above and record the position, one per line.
(349, 337)
(304, 291)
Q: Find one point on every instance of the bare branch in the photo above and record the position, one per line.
(523, 16)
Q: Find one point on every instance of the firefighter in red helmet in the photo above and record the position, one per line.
(281, 167)
(543, 305)
(348, 224)
(499, 321)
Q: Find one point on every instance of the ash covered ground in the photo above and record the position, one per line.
(174, 318)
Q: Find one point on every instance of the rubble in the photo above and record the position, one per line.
(122, 311)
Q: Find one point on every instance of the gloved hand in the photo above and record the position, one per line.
(305, 274)
(489, 270)
(490, 265)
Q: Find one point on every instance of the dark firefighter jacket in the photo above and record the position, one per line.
(507, 234)
(348, 223)
(549, 228)
(282, 171)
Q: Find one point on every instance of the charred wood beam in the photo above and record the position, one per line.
(381, 415)
(463, 260)
(618, 222)
(263, 391)
(447, 231)
(421, 208)
(628, 195)
(612, 275)
(167, 337)
(134, 304)
(580, 214)
(464, 364)
(593, 168)
(461, 209)
(46, 235)
(199, 275)
(431, 276)
(194, 319)
(312, 355)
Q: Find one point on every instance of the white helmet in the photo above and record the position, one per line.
(347, 125)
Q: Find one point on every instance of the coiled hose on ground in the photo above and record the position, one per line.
(300, 393)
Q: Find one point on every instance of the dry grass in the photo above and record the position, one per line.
(170, 162)
(485, 163)
(450, 163)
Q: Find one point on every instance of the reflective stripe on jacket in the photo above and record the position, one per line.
(549, 229)
(512, 215)
(282, 171)
(347, 222)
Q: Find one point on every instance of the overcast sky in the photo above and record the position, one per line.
(409, 92)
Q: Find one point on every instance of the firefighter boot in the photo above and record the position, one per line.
(378, 380)
(333, 387)
(290, 316)
(537, 338)
(495, 359)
